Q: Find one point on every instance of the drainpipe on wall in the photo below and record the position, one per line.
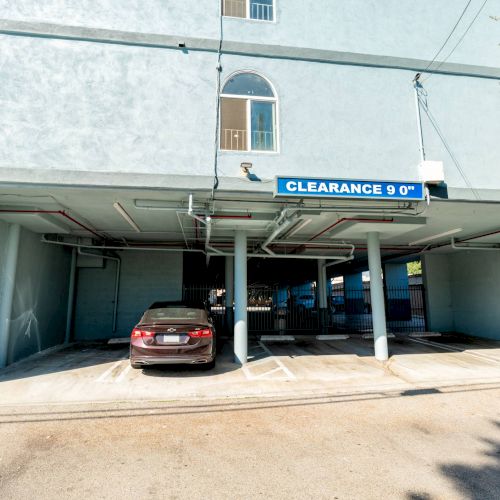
(117, 279)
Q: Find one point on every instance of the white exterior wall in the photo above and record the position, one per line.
(436, 276)
(463, 292)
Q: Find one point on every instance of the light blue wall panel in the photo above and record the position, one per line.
(146, 277)
(40, 298)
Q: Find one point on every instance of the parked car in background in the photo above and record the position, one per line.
(174, 332)
(305, 302)
(337, 303)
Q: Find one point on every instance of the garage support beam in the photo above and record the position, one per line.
(240, 298)
(377, 297)
(229, 279)
(322, 295)
(8, 287)
(71, 297)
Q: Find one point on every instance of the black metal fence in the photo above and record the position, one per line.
(405, 309)
(294, 310)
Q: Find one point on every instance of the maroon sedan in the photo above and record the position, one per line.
(173, 332)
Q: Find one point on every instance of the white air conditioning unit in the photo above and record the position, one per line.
(431, 172)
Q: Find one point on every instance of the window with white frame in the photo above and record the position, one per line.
(260, 10)
(248, 114)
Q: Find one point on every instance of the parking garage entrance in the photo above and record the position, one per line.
(294, 310)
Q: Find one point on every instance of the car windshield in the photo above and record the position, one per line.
(174, 313)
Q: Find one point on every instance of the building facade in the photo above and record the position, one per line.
(150, 134)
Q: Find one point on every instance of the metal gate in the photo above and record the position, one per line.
(294, 310)
(405, 309)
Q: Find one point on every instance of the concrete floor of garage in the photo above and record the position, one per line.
(102, 373)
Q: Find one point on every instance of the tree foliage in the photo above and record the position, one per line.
(414, 268)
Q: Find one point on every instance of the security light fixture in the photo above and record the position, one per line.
(126, 216)
(436, 236)
(245, 168)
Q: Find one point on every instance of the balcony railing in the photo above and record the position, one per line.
(234, 140)
(235, 8)
(262, 140)
(261, 11)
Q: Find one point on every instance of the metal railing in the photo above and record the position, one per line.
(234, 140)
(261, 11)
(235, 8)
(262, 140)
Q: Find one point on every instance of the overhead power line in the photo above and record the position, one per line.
(449, 36)
(461, 38)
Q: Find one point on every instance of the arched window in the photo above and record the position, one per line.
(248, 114)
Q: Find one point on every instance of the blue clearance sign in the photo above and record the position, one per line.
(342, 188)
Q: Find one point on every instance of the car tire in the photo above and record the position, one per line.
(136, 366)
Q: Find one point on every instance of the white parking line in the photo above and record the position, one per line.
(111, 368)
(270, 358)
(123, 374)
(454, 349)
(278, 362)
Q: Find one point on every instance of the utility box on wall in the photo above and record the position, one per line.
(431, 172)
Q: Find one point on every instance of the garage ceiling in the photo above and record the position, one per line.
(154, 214)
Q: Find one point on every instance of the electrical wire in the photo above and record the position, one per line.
(423, 101)
(217, 104)
(460, 39)
(449, 36)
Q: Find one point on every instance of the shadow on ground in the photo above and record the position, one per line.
(471, 482)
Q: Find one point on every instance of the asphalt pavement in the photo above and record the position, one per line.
(412, 444)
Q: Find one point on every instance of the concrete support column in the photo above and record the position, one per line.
(398, 292)
(8, 288)
(377, 297)
(229, 284)
(71, 297)
(322, 295)
(354, 298)
(240, 298)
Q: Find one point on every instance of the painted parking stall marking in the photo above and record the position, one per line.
(343, 188)
(276, 369)
(115, 366)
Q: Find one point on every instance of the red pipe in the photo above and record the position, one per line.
(55, 212)
(340, 221)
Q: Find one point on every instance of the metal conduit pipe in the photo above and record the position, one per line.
(218, 253)
(100, 247)
(54, 212)
(142, 205)
(467, 246)
(117, 278)
(191, 213)
(283, 222)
